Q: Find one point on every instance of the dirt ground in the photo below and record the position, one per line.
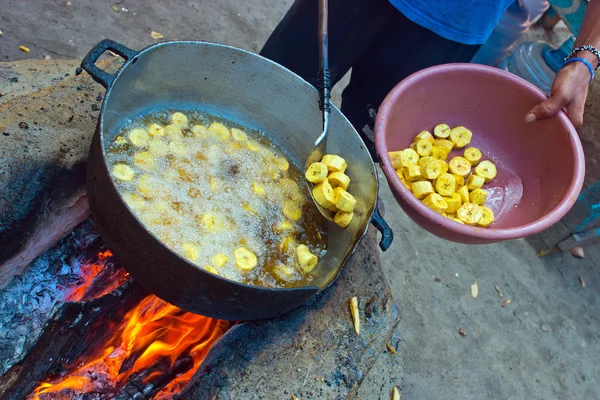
(544, 344)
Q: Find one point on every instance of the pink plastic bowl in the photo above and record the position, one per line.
(540, 165)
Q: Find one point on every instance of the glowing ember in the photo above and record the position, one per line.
(88, 272)
(155, 342)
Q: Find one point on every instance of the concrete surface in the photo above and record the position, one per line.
(543, 345)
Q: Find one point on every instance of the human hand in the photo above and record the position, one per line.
(568, 93)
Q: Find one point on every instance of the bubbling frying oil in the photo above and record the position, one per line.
(208, 188)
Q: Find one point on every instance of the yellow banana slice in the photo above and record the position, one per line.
(333, 208)
(200, 130)
(423, 148)
(345, 201)
(257, 189)
(245, 259)
(487, 217)
(339, 179)
(210, 269)
(395, 158)
(475, 182)
(458, 220)
(177, 148)
(469, 213)
(412, 173)
(284, 272)
(123, 172)
(473, 154)
(422, 189)
(144, 160)
(158, 147)
(460, 166)
(441, 131)
(487, 170)
(291, 210)
(208, 220)
(444, 144)
(179, 119)
(147, 186)
(408, 157)
(343, 218)
(191, 251)
(156, 130)
(138, 137)
(432, 168)
(316, 172)
(282, 163)
(173, 131)
(478, 196)
(323, 194)
(120, 140)
(134, 201)
(334, 163)
(239, 135)
(219, 260)
(436, 203)
(463, 192)
(454, 202)
(460, 181)
(424, 135)
(445, 184)
(220, 130)
(461, 136)
(308, 261)
(423, 161)
(283, 226)
(439, 153)
(402, 178)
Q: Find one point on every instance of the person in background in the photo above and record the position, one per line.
(384, 41)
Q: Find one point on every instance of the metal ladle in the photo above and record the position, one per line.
(320, 145)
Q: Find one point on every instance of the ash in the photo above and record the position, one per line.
(29, 300)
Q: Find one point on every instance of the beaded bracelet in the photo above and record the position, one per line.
(586, 47)
(585, 62)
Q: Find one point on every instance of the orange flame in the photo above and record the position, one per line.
(88, 272)
(154, 331)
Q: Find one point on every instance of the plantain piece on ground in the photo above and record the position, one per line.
(460, 166)
(343, 218)
(308, 261)
(423, 147)
(461, 136)
(323, 194)
(469, 213)
(422, 189)
(441, 131)
(487, 170)
(487, 217)
(339, 179)
(445, 184)
(478, 196)
(473, 154)
(412, 173)
(245, 259)
(475, 182)
(436, 203)
(316, 172)
(424, 135)
(334, 163)
(355, 314)
(123, 172)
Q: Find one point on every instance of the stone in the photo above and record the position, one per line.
(312, 352)
(47, 125)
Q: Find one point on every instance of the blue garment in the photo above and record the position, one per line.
(462, 21)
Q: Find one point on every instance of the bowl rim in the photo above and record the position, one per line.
(488, 234)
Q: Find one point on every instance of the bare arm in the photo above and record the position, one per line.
(570, 87)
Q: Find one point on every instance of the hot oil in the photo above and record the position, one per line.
(205, 196)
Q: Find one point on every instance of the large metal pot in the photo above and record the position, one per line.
(242, 87)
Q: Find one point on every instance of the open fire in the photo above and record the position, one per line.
(155, 349)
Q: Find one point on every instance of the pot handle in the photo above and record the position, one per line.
(387, 236)
(100, 76)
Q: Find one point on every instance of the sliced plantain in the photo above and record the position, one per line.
(473, 154)
(436, 203)
(475, 182)
(180, 119)
(441, 131)
(144, 160)
(158, 147)
(173, 131)
(200, 130)
(487, 217)
(463, 192)
(139, 137)
(412, 173)
(454, 202)
(487, 170)
(339, 179)
(446, 144)
(308, 261)
(400, 174)
(334, 163)
(239, 135)
(156, 130)
(424, 135)
(445, 184)
(123, 172)
(219, 260)
(432, 168)
(344, 200)
(478, 196)
(316, 172)
(191, 251)
(343, 218)
(461, 136)
(292, 210)
(245, 259)
(323, 194)
(460, 181)
(423, 147)
(219, 130)
(439, 153)
(422, 189)
(469, 213)
(460, 166)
